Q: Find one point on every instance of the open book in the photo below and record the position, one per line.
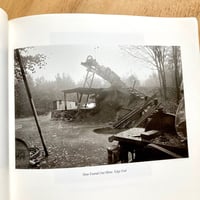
(99, 107)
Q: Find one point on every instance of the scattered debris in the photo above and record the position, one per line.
(36, 157)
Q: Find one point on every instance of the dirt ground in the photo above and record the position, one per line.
(69, 144)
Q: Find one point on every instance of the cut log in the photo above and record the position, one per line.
(150, 134)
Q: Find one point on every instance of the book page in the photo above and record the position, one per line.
(3, 106)
(87, 95)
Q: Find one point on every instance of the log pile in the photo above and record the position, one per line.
(137, 116)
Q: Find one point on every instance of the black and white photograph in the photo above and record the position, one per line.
(91, 105)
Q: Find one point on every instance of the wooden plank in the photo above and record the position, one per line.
(130, 115)
(159, 148)
(131, 135)
(146, 115)
(150, 134)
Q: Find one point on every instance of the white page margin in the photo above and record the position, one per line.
(3, 106)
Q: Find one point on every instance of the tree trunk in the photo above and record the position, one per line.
(176, 71)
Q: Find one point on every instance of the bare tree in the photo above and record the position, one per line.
(177, 70)
(154, 56)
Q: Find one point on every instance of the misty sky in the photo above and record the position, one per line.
(67, 59)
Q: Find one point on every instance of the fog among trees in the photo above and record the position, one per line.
(164, 61)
